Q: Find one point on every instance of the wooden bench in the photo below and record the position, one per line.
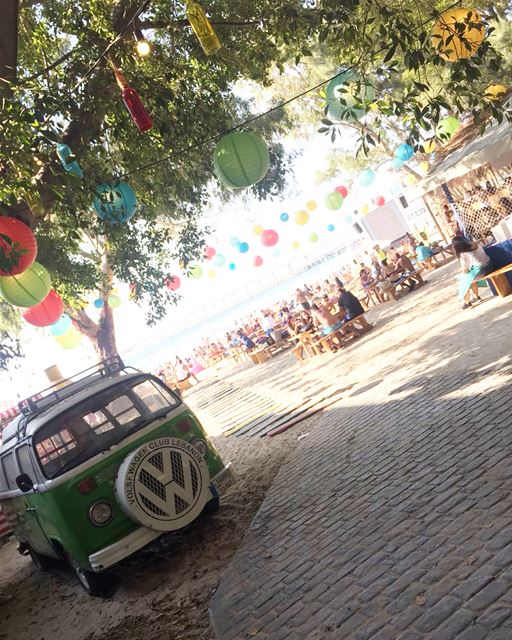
(260, 355)
(500, 281)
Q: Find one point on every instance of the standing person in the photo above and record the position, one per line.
(474, 262)
(348, 303)
(301, 298)
(182, 371)
(379, 253)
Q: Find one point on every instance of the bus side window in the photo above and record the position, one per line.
(9, 468)
(25, 464)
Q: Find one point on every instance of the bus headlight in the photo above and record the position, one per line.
(100, 514)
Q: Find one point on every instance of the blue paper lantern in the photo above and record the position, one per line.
(404, 152)
(98, 303)
(330, 227)
(232, 266)
(115, 202)
(396, 163)
(243, 247)
(62, 325)
(284, 217)
(366, 177)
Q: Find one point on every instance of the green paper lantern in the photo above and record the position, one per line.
(345, 86)
(447, 127)
(313, 237)
(333, 200)
(28, 288)
(241, 159)
(195, 272)
(70, 339)
(114, 301)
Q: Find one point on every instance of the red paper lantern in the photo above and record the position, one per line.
(18, 246)
(173, 283)
(343, 190)
(380, 200)
(258, 261)
(269, 238)
(46, 312)
(209, 252)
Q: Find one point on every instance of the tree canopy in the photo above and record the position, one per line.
(64, 91)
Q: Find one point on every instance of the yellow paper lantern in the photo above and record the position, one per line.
(365, 209)
(410, 179)
(301, 217)
(424, 166)
(311, 205)
(453, 42)
(295, 244)
(257, 230)
(495, 92)
(429, 146)
(212, 273)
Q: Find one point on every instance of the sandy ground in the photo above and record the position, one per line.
(162, 592)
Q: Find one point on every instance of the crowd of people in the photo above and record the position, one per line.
(333, 306)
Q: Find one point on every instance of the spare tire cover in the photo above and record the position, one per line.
(164, 484)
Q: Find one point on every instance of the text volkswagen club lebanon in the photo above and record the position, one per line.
(98, 466)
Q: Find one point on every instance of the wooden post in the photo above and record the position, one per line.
(439, 228)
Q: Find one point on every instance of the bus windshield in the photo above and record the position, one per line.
(97, 423)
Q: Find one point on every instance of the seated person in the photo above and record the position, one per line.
(246, 341)
(423, 253)
(305, 321)
(352, 308)
(328, 324)
(404, 264)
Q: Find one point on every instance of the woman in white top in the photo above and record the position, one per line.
(474, 260)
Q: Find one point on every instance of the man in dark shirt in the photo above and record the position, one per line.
(353, 308)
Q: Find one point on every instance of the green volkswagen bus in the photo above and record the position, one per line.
(98, 467)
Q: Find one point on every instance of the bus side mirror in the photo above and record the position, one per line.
(24, 482)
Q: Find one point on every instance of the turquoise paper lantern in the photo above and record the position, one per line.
(366, 177)
(347, 219)
(241, 159)
(234, 241)
(62, 325)
(98, 303)
(232, 266)
(243, 247)
(330, 227)
(115, 202)
(404, 152)
(219, 260)
(340, 87)
(333, 200)
(276, 253)
(284, 217)
(397, 163)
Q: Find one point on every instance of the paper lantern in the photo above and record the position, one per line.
(98, 303)
(18, 246)
(330, 227)
(195, 272)
(333, 200)
(219, 260)
(397, 164)
(234, 241)
(396, 188)
(301, 217)
(365, 209)
(231, 266)
(115, 202)
(457, 34)
(311, 205)
(410, 179)
(62, 326)
(404, 152)
(424, 166)
(69, 340)
(429, 146)
(366, 177)
(269, 238)
(276, 253)
(342, 190)
(346, 86)
(313, 237)
(114, 301)
(284, 217)
(68, 160)
(257, 230)
(347, 219)
(380, 200)
(243, 247)
(209, 252)
(241, 159)
(258, 261)
(173, 283)
(295, 244)
(28, 288)
(495, 92)
(46, 312)
(447, 127)
(212, 273)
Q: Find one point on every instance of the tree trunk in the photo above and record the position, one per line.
(101, 334)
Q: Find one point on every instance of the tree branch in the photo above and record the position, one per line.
(183, 22)
(51, 66)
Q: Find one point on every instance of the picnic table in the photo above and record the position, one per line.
(500, 280)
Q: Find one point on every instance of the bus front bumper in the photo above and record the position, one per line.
(123, 548)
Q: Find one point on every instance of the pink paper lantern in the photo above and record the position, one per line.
(46, 312)
(343, 190)
(380, 200)
(173, 283)
(258, 261)
(269, 238)
(209, 252)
